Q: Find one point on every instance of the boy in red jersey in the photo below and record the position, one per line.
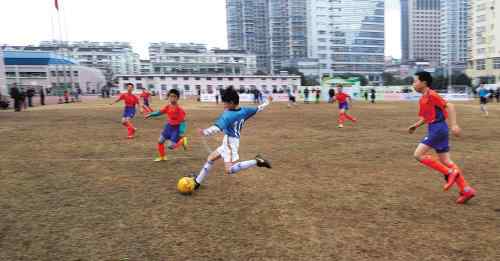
(175, 127)
(146, 99)
(130, 101)
(342, 98)
(434, 111)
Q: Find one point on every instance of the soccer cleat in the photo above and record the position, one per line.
(340, 126)
(158, 159)
(451, 178)
(466, 196)
(262, 163)
(171, 147)
(130, 137)
(185, 143)
(196, 184)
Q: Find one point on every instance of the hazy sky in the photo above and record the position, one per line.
(138, 22)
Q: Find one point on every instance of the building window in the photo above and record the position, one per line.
(162, 77)
(197, 78)
(175, 86)
(219, 78)
(75, 73)
(174, 78)
(125, 78)
(163, 87)
(496, 63)
(139, 86)
(138, 78)
(52, 73)
(230, 78)
(480, 64)
(209, 78)
(187, 87)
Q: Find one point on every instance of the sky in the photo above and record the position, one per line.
(139, 22)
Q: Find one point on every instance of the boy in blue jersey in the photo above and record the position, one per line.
(483, 98)
(230, 123)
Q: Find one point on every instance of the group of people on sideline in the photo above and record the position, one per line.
(23, 98)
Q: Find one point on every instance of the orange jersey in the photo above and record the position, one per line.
(341, 97)
(432, 107)
(145, 96)
(129, 99)
(175, 114)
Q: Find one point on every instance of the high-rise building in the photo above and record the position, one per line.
(484, 40)
(405, 32)
(424, 31)
(347, 37)
(454, 36)
(248, 29)
(192, 58)
(287, 31)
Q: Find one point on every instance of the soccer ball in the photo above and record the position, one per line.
(185, 185)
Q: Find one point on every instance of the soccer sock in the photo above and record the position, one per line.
(460, 181)
(242, 166)
(161, 149)
(341, 118)
(428, 161)
(349, 117)
(204, 171)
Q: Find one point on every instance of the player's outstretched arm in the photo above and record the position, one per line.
(210, 131)
(116, 101)
(154, 114)
(452, 112)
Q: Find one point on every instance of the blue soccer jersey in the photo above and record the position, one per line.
(231, 121)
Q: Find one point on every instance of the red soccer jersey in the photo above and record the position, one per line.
(175, 114)
(129, 99)
(341, 97)
(145, 96)
(428, 104)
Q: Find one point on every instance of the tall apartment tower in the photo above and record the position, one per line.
(454, 36)
(287, 31)
(405, 32)
(424, 31)
(248, 29)
(347, 37)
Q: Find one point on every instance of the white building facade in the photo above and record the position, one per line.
(191, 58)
(3, 85)
(111, 58)
(190, 84)
(484, 44)
(29, 69)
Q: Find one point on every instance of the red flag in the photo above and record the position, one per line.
(56, 4)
